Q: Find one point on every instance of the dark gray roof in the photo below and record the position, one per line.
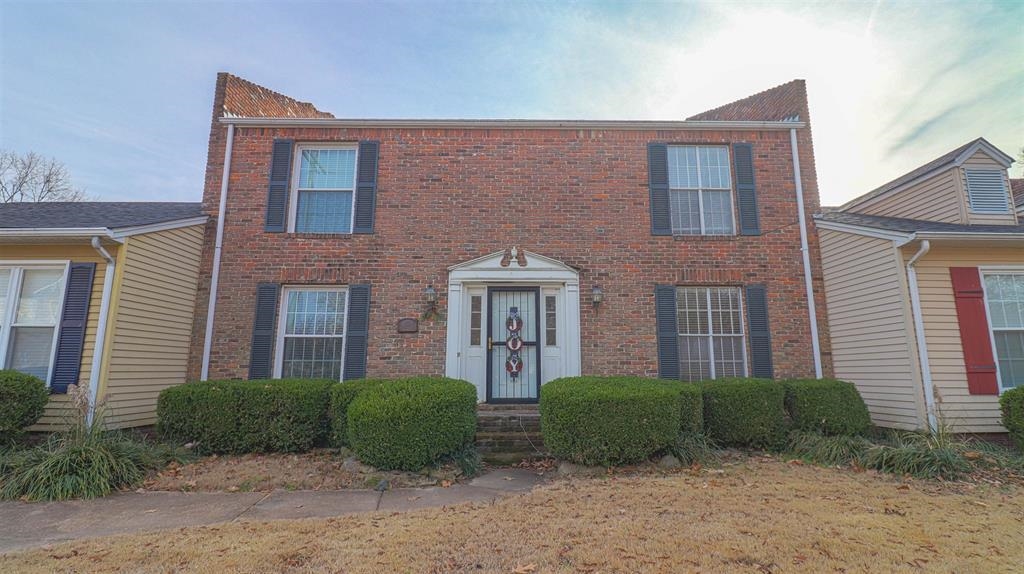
(901, 225)
(112, 214)
(937, 163)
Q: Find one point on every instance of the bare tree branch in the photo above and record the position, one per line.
(33, 178)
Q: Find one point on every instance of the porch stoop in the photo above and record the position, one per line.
(506, 434)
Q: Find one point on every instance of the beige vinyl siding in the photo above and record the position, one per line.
(56, 411)
(153, 322)
(958, 408)
(870, 324)
(982, 160)
(937, 198)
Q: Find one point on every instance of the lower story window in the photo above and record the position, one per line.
(312, 340)
(1004, 293)
(30, 308)
(711, 340)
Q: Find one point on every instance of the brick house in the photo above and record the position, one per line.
(509, 252)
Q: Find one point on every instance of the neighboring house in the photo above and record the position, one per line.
(508, 252)
(924, 278)
(1017, 187)
(99, 294)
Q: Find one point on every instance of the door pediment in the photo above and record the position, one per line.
(515, 265)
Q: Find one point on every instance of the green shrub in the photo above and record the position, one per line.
(287, 415)
(615, 420)
(341, 396)
(1011, 403)
(407, 424)
(826, 406)
(22, 401)
(745, 412)
(828, 450)
(691, 413)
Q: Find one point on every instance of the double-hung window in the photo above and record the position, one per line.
(31, 299)
(1004, 295)
(323, 189)
(986, 191)
(711, 339)
(700, 190)
(311, 333)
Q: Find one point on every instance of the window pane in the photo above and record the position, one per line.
(718, 212)
(729, 357)
(1005, 295)
(30, 350)
(692, 310)
(714, 168)
(1010, 354)
(475, 316)
(682, 167)
(684, 207)
(324, 212)
(725, 311)
(315, 313)
(328, 169)
(694, 358)
(550, 322)
(312, 358)
(5, 284)
(40, 299)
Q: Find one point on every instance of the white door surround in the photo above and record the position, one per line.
(521, 268)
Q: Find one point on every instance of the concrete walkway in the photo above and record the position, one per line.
(24, 525)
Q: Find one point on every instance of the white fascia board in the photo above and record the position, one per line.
(510, 124)
(59, 232)
(153, 227)
(971, 236)
(865, 231)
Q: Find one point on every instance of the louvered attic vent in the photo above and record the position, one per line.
(986, 189)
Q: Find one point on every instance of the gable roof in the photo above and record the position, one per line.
(243, 99)
(949, 159)
(786, 102)
(94, 214)
(903, 225)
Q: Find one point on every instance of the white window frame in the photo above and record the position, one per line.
(293, 191)
(282, 321)
(13, 298)
(996, 270)
(700, 191)
(711, 336)
(1007, 193)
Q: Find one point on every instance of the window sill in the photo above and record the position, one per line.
(705, 237)
(306, 235)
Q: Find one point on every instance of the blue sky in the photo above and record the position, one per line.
(122, 93)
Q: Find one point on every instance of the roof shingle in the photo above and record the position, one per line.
(111, 215)
(244, 99)
(787, 102)
(902, 225)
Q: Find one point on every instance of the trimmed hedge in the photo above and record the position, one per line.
(745, 412)
(287, 415)
(408, 424)
(341, 396)
(828, 406)
(1011, 403)
(616, 420)
(22, 401)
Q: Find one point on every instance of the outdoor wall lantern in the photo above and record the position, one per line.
(597, 296)
(431, 294)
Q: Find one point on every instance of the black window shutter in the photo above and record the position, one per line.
(668, 331)
(746, 193)
(277, 195)
(261, 352)
(67, 363)
(657, 182)
(760, 334)
(357, 331)
(366, 187)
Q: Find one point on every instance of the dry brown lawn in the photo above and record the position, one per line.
(758, 516)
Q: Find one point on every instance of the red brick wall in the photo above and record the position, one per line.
(446, 196)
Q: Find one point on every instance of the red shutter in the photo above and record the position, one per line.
(974, 334)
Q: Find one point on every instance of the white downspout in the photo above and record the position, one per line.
(101, 329)
(806, 252)
(211, 307)
(922, 347)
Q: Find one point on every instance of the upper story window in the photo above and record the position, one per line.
(986, 191)
(31, 300)
(324, 189)
(700, 188)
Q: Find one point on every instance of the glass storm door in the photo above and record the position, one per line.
(513, 329)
